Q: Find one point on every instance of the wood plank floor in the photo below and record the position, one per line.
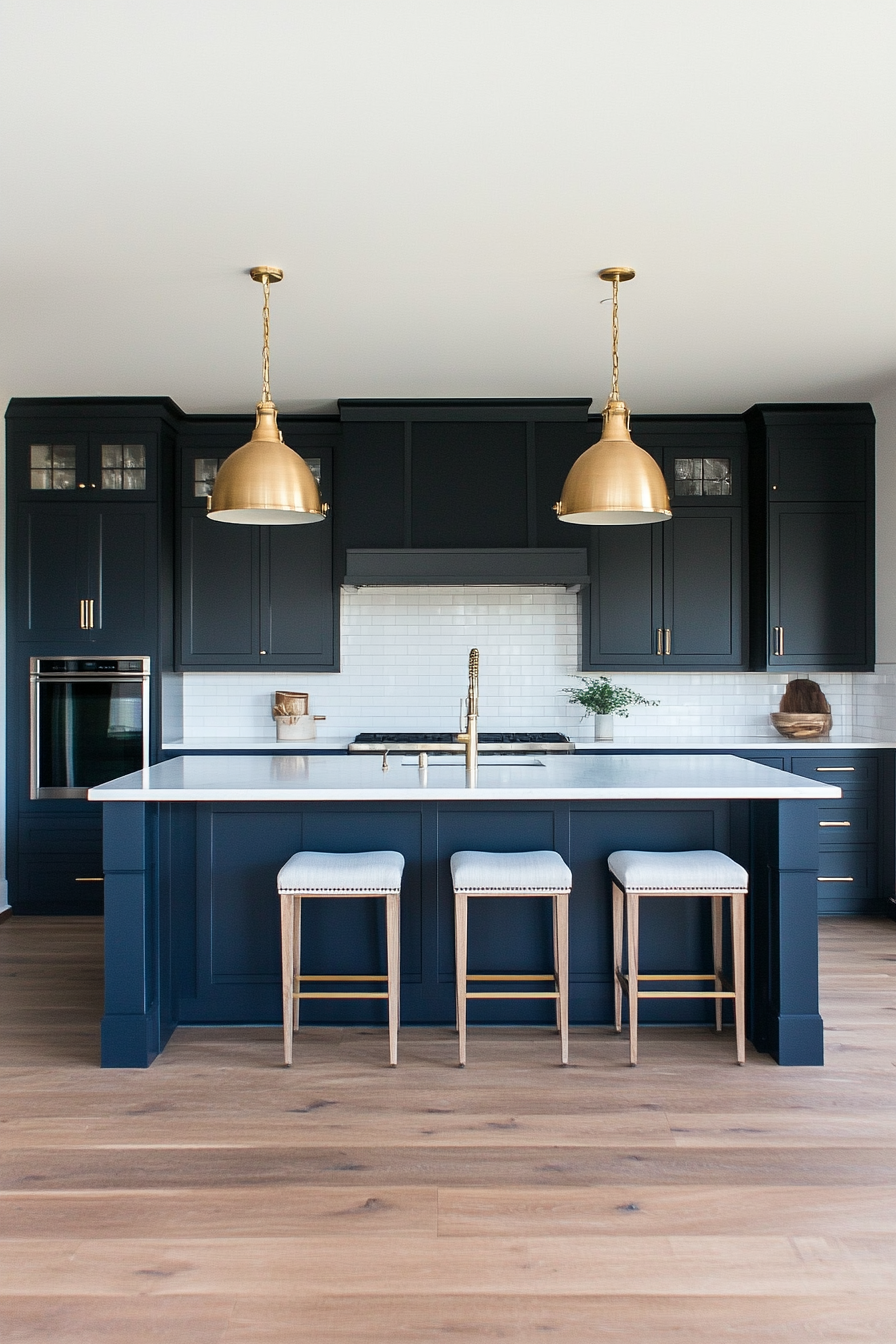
(217, 1198)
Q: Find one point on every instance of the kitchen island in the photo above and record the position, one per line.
(192, 848)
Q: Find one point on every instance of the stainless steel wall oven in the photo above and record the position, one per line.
(89, 722)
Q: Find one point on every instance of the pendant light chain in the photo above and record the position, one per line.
(265, 356)
(614, 394)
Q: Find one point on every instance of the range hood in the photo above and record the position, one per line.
(564, 567)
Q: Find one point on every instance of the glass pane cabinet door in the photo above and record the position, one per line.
(123, 466)
(53, 466)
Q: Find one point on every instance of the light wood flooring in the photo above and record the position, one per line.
(218, 1198)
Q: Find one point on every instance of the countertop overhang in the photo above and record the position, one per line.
(362, 779)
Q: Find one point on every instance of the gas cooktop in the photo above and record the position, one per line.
(535, 744)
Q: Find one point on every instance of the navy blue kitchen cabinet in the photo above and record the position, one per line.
(89, 486)
(812, 537)
(254, 596)
(87, 576)
(672, 594)
(457, 474)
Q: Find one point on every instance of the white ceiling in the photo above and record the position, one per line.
(440, 179)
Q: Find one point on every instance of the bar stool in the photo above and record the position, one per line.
(311, 874)
(696, 872)
(539, 872)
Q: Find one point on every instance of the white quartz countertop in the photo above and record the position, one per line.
(771, 742)
(264, 744)
(361, 778)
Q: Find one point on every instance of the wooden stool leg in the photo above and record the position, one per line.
(296, 955)
(617, 954)
(554, 916)
(631, 910)
(737, 938)
(561, 969)
(287, 971)
(393, 971)
(460, 972)
(717, 954)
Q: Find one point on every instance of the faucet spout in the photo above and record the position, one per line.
(470, 736)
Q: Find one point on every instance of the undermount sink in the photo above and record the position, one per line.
(505, 761)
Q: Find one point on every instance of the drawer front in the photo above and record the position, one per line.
(842, 825)
(847, 772)
(847, 881)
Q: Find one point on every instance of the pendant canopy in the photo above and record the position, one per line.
(265, 481)
(614, 483)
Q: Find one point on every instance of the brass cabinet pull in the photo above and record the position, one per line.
(84, 625)
(778, 641)
(835, 769)
(90, 879)
(668, 649)
(835, 823)
(90, 613)
(659, 641)
(836, 879)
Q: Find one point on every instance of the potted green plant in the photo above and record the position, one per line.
(601, 698)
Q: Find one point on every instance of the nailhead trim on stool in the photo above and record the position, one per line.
(538, 872)
(313, 874)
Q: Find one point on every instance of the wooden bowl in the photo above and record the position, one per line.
(802, 725)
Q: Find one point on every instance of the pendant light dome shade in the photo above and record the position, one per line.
(265, 481)
(614, 483)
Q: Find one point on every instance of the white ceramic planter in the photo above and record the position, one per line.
(603, 727)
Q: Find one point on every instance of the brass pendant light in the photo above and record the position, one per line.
(614, 483)
(265, 481)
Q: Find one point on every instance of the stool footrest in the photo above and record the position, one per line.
(365, 979)
(312, 994)
(683, 994)
(513, 994)
(511, 977)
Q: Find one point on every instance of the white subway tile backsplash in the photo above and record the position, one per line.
(404, 666)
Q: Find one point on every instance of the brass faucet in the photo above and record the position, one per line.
(471, 734)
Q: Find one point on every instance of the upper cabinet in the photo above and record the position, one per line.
(671, 595)
(812, 537)
(254, 596)
(83, 477)
(455, 474)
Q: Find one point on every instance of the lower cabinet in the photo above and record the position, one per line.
(57, 867)
(855, 832)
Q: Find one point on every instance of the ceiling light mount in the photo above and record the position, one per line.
(265, 481)
(614, 483)
(272, 274)
(620, 273)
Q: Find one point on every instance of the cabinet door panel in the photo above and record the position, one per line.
(124, 582)
(52, 549)
(468, 484)
(807, 463)
(297, 595)
(219, 593)
(818, 577)
(625, 597)
(702, 587)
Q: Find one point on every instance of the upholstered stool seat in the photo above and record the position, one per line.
(312, 874)
(697, 872)
(536, 873)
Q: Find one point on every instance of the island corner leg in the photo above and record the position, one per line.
(131, 1030)
(784, 920)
